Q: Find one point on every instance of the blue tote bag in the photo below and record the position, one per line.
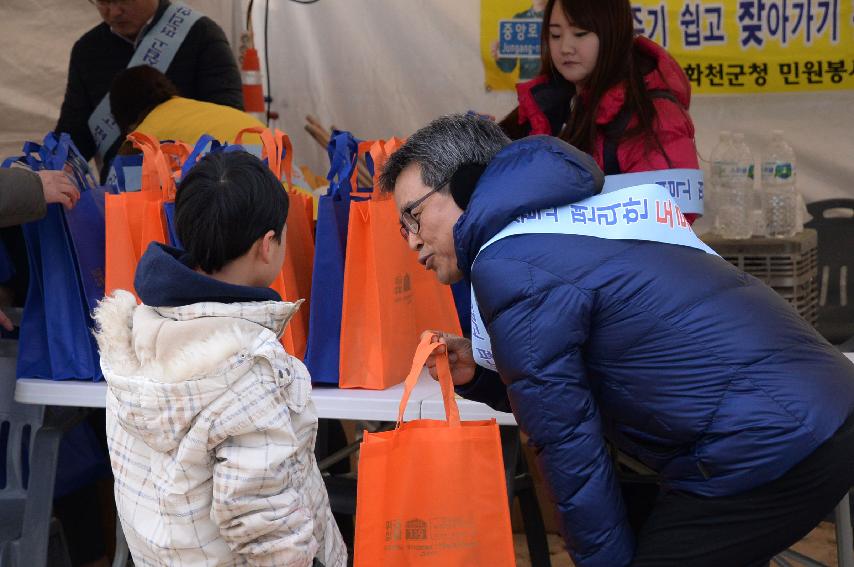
(65, 251)
(327, 284)
(126, 173)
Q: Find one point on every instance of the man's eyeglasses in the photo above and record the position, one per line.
(408, 223)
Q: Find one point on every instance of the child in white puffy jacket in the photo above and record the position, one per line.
(210, 423)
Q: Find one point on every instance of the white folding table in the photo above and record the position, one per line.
(330, 402)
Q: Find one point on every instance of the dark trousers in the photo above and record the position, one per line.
(747, 529)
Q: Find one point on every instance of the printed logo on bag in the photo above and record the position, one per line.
(403, 288)
(433, 537)
(393, 530)
(416, 530)
(402, 284)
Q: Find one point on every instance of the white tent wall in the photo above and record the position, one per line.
(387, 67)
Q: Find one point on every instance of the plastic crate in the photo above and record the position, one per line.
(788, 265)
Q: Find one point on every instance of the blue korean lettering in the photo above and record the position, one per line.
(714, 16)
(830, 15)
(578, 213)
(632, 212)
(485, 355)
(651, 22)
(750, 21)
(551, 213)
(475, 328)
(670, 185)
(603, 214)
(702, 24)
(690, 22)
(805, 19)
(777, 20)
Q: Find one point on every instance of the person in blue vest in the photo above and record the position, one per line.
(661, 350)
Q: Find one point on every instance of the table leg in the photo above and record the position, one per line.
(521, 485)
(844, 539)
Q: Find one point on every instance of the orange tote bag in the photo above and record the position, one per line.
(433, 493)
(388, 298)
(133, 220)
(294, 281)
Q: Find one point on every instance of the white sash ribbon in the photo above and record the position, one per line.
(644, 212)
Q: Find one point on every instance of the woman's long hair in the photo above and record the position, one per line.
(618, 62)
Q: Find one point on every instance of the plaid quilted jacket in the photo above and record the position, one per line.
(211, 431)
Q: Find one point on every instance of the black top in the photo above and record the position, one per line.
(204, 68)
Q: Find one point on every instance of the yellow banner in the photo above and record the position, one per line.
(497, 18)
(724, 46)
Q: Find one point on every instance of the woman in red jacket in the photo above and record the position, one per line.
(623, 99)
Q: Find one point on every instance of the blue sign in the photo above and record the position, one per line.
(519, 38)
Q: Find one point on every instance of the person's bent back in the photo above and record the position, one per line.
(143, 99)
(210, 424)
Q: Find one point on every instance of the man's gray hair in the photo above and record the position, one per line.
(442, 146)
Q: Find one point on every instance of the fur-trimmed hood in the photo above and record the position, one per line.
(164, 365)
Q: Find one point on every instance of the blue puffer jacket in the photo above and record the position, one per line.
(681, 360)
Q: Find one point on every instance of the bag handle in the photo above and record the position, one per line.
(155, 173)
(369, 148)
(285, 151)
(268, 145)
(175, 154)
(58, 153)
(422, 353)
(379, 152)
(342, 162)
(195, 154)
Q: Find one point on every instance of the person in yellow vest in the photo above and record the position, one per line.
(143, 99)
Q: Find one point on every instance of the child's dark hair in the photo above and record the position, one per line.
(224, 205)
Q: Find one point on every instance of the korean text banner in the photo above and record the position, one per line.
(726, 46)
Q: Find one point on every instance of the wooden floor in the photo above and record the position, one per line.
(819, 545)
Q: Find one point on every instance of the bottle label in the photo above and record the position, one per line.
(777, 170)
(725, 169)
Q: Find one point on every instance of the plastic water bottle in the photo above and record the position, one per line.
(732, 189)
(711, 201)
(778, 184)
(747, 162)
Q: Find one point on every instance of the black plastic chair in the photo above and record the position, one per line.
(835, 264)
